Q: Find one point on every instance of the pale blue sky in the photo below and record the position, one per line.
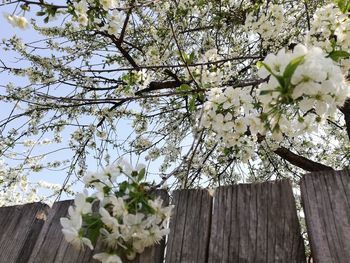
(30, 35)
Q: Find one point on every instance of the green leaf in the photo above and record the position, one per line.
(290, 69)
(141, 174)
(93, 225)
(183, 88)
(192, 55)
(125, 78)
(227, 151)
(123, 186)
(201, 97)
(25, 7)
(90, 199)
(259, 64)
(192, 104)
(344, 5)
(46, 19)
(188, 58)
(276, 128)
(40, 13)
(280, 79)
(265, 92)
(264, 116)
(340, 4)
(94, 233)
(51, 10)
(94, 181)
(106, 189)
(184, 56)
(337, 55)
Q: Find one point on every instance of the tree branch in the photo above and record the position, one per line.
(118, 45)
(122, 33)
(301, 161)
(208, 63)
(346, 111)
(156, 85)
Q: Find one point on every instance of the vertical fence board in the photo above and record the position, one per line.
(326, 201)
(220, 211)
(257, 222)
(177, 225)
(261, 219)
(253, 224)
(51, 245)
(189, 227)
(20, 228)
(224, 210)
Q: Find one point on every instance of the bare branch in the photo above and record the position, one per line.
(346, 111)
(122, 33)
(300, 161)
(209, 63)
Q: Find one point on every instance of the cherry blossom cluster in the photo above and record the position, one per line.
(301, 82)
(330, 30)
(19, 190)
(268, 24)
(273, 25)
(127, 218)
(231, 115)
(304, 88)
(101, 13)
(330, 24)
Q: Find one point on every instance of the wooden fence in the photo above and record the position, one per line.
(242, 223)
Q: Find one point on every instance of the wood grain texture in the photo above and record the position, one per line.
(51, 246)
(189, 227)
(20, 228)
(255, 223)
(326, 201)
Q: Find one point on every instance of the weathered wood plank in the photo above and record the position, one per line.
(51, 245)
(255, 223)
(20, 228)
(189, 227)
(326, 201)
